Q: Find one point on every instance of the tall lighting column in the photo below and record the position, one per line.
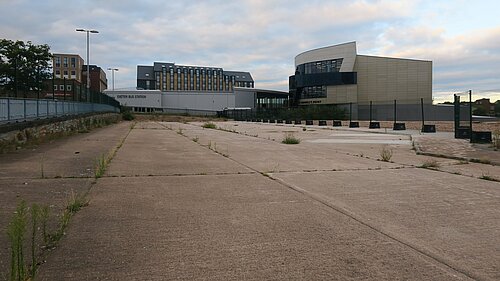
(88, 31)
(113, 75)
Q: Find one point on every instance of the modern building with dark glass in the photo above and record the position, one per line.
(337, 75)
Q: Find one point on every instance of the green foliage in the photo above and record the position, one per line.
(127, 114)
(101, 165)
(18, 229)
(209, 125)
(23, 66)
(290, 139)
(35, 217)
(480, 111)
(16, 232)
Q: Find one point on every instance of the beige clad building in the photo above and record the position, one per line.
(67, 66)
(338, 75)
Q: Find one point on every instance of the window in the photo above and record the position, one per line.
(68, 87)
(65, 74)
(58, 73)
(73, 62)
(57, 61)
(313, 92)
(61, 87)
(65, 61)
(55, 87)
(73, 74)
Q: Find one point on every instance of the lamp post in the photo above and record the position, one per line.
(88, 62)
(113, 76)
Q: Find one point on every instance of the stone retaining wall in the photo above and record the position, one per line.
(25, 134)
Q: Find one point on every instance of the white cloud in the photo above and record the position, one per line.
(262, 36)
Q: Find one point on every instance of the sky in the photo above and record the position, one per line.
(461, 37)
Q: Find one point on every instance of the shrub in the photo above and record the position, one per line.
(386, 154)
(430, 164)
(290, 139)
(128, 116)
(209, 125)
(127, 113)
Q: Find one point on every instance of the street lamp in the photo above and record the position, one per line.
(88, 62)
(113, 75)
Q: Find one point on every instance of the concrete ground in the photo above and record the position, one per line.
(49, 175)
(182, 202)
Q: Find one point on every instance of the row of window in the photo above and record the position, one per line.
(65, 73)
(313, 92)
(57, 61)
(61, 88)
(324, 66)
(195, 80)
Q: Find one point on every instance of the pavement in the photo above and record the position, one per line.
(179, 201)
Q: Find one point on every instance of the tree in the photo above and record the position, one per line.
(23, 66)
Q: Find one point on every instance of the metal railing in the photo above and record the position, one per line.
(17, 109)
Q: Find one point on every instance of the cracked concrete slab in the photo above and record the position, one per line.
(229, 227)
(448, 216)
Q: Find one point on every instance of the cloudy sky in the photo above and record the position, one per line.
(461, 37)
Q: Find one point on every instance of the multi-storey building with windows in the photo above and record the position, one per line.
(98, 80)
(168, 77)
(67, 66)
(337, 75)
(67, 75)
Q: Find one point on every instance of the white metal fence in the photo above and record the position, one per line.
(15, 110)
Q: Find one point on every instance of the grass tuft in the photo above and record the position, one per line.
(209, 125)
(101, 165)
(290, 139)
(385, 153)
(488, 178)
(429, 164)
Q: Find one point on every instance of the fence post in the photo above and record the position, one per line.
(24, 103)
(37, 108)
(8, 109)
(47, 108)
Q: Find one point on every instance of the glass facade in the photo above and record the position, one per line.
(313, 92)
(325, 66)
(311, 79)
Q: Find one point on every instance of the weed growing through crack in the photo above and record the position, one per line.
(16, 232)
(209, 125)
(42, 170)
(35, 217)
(488, 178)
(290, 139)
(101, 164)
(481, 161)
(385, 154)
(429, 164)
(195, 139)
(44, 218)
